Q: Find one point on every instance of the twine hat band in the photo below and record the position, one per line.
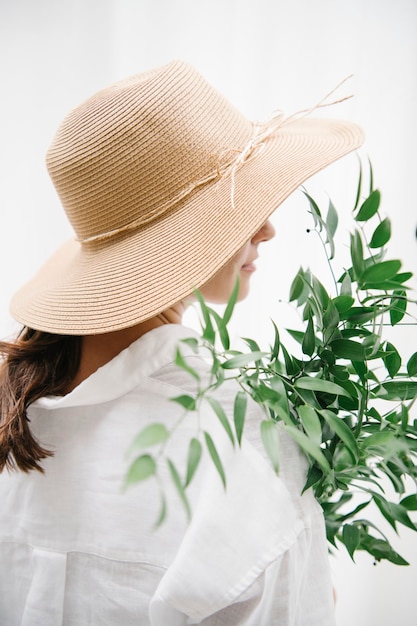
(163, 181)
(222, 169)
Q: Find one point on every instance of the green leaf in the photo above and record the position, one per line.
(309, 340)
(402, 277)
(241, 360)
(384, 507)
(381, 235)
(356, 252)
(178, 484)
(216, 369)
(381, 549)
(357, 509)
(278, 400)
(343, 303)
(311, 422)
(369, 207)
(193, 460)
(358, 315)
(348, 349)
(398, 306)
(380, 440)
(328, 357)
(290, 364)
(270, 440)
(298, 335)
(359, 188)
(277, 342)
(219, 411)
(231, 303)
(331, 320)
(342, 459)
(351, 403)
(346, 286)
(188, 402)
(142, 468)
(315, 211)
(150, 436)
(398, 390)
(340, 372)
(297, 285)
(180, 362)
(222, 328)
(252, 344)
(239, 414)
(351, 538)
(192, 342)
(215, 457)
(313, 450)
(393, 512)
(412, 365)
(392, 359)
(318, 384)
(371, 177)
(343, 432)
(361, 370)
(380, 271)
(410, 502)
(314, 474)
(330, 226)
(332, 219)
(208, 330)
(320, 293)
(404, 417)
(162, 513)
(381, 285)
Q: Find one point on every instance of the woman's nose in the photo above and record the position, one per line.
(265, 233)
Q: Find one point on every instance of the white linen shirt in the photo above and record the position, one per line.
(77, 549)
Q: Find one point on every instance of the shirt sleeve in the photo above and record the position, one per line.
(255, 553)
(235, 535)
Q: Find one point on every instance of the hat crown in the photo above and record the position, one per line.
(133, 150)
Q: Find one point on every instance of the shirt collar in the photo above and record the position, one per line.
(120, 375)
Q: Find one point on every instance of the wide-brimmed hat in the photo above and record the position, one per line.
(163, 181)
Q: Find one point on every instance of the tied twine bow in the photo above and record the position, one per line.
(261, 132)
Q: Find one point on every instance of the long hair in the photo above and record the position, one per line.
(36, 364)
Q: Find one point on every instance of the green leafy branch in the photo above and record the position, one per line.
(156, 436)
(345, 396)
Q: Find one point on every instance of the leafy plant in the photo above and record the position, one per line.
(345, 396)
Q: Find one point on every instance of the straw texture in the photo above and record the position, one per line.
(149, 174)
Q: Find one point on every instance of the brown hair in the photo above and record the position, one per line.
(36, 364)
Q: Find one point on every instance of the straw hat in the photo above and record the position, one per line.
(163, 181)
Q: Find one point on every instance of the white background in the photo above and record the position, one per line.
(263, 55)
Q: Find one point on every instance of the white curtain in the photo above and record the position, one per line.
(263, 55)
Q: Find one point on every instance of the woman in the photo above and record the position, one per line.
(168, 188)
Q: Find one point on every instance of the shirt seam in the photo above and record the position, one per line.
(83, 552)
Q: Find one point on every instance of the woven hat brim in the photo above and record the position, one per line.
(98, 288)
